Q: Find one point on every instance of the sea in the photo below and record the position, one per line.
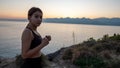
(63, 35)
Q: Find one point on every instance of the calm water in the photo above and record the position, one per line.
(62, 35)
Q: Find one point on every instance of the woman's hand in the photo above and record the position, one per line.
(45, 41)
(48, 37)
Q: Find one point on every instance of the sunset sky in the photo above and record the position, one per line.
(61, 8)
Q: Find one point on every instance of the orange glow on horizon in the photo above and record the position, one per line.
(25, 17)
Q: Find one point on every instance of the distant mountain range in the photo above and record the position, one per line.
(95, 21)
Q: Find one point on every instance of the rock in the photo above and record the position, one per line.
(57, 60)
(7, 63)
(55, 54)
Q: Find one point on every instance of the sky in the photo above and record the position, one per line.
(61, 8)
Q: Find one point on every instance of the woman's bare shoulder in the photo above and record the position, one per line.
(27, 33)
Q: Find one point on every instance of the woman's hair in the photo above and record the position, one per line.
(33, 10)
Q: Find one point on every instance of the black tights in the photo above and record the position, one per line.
(32, 63)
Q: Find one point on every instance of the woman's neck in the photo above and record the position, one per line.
(32, 27)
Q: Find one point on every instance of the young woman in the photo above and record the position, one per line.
(32, 42)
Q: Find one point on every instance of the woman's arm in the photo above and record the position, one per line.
(26, 41)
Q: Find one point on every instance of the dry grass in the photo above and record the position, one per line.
(95, 53)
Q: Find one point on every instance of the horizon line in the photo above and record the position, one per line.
(62, 17)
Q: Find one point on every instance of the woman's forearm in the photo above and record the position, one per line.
(33, 51)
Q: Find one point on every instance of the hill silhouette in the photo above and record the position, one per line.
(95, 21)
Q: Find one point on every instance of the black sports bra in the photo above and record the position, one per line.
(36, 40)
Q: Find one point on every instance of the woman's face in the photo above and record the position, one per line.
(36, 18)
